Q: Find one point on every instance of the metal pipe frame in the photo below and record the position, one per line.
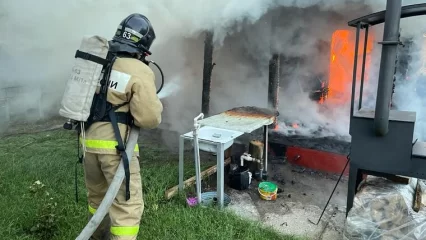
(361, 88)
(387, 66)
(355, 70)
(220, 163)
(265, 147)
(375, 19)
(379, 17)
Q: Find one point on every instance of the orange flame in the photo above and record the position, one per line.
(341, 65)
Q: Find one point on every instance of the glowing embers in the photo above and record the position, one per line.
(290, 127)
(298, 128)
(342, 55)
(277, 126)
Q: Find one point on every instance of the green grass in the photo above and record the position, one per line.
(50, 158)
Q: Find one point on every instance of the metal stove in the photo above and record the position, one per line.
(382, 139)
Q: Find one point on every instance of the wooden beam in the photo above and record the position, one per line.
(207, 73)
(399, 179)
(274, 68)
(256, 151)
(274, 84)
(191, 181)
(417, 197)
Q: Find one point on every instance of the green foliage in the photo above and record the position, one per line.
(46, 221)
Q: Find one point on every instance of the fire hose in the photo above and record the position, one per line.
(110, 195)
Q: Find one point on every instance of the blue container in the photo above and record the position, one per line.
(210, 199)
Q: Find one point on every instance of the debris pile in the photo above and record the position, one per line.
(384, 210)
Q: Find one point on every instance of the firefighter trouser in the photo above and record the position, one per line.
(124, 216)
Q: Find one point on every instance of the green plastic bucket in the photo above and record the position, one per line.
(268, 190)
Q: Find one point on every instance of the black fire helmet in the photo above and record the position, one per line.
(135, 34)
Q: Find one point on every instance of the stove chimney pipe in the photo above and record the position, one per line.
(387, 66)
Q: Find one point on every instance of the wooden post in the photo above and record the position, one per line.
(274, 74)
(256, 151)
(228, 152)
(207, 73)
(191, 181)
(274, 82)
(417, 197)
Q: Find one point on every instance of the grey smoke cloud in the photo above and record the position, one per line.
(38, 46)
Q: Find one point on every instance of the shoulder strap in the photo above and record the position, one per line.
(91, 57)
(100, 102)
(121, 148)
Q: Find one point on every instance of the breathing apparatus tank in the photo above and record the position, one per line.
(84, 80)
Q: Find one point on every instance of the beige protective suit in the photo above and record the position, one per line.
(134, 82)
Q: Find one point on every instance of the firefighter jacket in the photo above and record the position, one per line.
(130, 81)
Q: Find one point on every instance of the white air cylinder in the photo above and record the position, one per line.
(83, 81)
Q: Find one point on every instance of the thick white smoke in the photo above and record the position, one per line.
(410, 90)
(38, 43)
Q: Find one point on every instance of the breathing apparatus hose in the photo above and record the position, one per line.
(162, 76)
(110, 195)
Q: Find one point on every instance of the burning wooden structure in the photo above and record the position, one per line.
(335, 90)
(207, 73)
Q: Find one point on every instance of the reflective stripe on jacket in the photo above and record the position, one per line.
(120, 230)
(102, 146)
(125, 231)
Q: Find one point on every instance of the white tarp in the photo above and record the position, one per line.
(383, 210)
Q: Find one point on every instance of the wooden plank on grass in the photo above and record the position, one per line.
(417, 197)
(191, 181)
(399, 179)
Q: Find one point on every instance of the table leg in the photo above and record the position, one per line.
(197, 169)
(181, 151)
(220, 173)
(265, 148)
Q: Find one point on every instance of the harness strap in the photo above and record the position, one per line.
(127, 119)
(121, 117)
(91, 57)
(122, 149)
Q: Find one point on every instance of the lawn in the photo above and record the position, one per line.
(48, 210)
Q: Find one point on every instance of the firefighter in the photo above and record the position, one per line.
(132, 86)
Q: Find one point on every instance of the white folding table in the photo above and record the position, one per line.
(230, 126)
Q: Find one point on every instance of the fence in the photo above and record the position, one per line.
(24, 103)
